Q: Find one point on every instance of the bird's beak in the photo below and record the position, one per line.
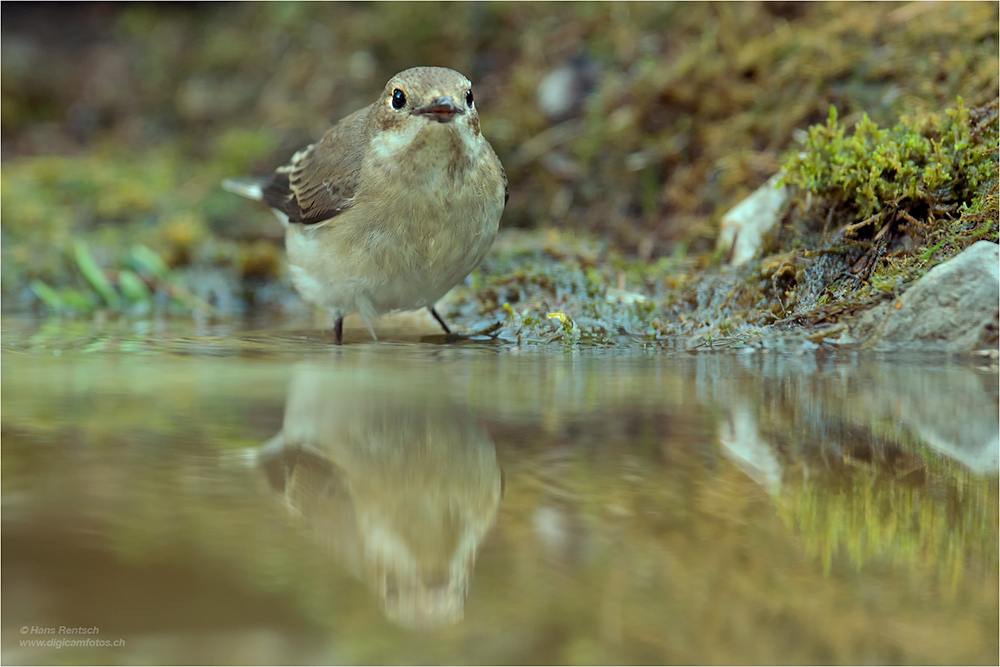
(442, 109)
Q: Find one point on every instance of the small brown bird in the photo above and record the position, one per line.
(395, 205)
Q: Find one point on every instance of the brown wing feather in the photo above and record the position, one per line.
(320, 181)
(503, 175)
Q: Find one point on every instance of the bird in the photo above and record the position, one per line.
(399, 485)
(396, 204)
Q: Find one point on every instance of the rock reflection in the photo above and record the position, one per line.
(742, 444)
(399, 484)
(953, 410)
(879, 460)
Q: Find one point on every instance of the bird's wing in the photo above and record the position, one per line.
(503, 175)
(320, 180)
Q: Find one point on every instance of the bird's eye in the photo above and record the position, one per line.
(468, 97)
(398, 99)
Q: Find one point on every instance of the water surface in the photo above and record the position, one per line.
(220, 495)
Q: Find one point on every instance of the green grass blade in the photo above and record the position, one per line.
(95, 276)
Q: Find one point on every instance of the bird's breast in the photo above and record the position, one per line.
(441, 193)
(416, 229)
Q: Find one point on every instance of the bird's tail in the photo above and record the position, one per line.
(249, 187)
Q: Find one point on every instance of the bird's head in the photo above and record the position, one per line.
(427, 96)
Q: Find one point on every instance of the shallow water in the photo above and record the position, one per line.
(225, 496)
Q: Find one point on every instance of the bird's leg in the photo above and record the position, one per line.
(439, 319)
(338, 330)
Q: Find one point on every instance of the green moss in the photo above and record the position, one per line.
(933, 160)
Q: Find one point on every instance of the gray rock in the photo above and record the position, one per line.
(955, 306)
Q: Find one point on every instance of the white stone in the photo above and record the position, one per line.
(744, 226)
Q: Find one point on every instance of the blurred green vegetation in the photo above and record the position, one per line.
(877, 515)
(638, 124)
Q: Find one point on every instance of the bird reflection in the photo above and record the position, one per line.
(400, 484)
